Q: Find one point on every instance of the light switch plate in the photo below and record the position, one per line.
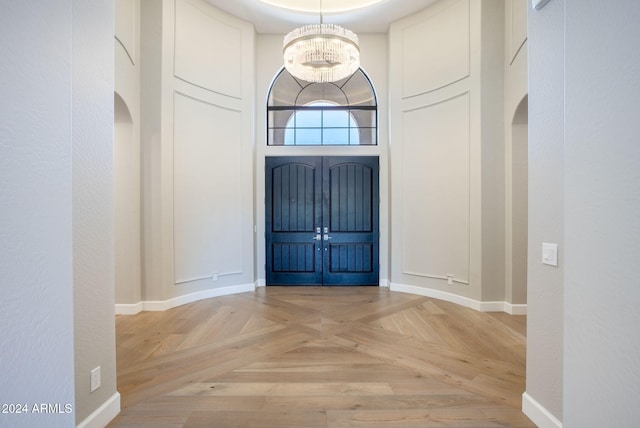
(550, 254)
(538, 4)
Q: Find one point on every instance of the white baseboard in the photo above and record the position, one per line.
(163, 305)
(103, 414)
(461, 300)
(538, 414)
(515, 309)
(129, 309)
(132, 309)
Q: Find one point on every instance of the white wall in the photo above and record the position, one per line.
(546, 213)
(127, 161)
(197, 137)
(435, 142)
(93, 207)
(36, 254)
(447, 161)
(56, 181)
(602, 222)
(516, 146)
(493, 150)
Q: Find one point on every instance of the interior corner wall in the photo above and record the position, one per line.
(516, 142)
(197, 139)
(493, 150)
(127, 154)
(36, 227)
(437, 147)
(545, 315)
(93, 215)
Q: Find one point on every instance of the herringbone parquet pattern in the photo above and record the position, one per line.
(321, 357)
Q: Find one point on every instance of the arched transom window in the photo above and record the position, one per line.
(341, 113)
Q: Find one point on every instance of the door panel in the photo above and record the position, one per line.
(293, 209)
(350, 188)
(322, 220)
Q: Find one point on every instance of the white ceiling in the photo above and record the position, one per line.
(269, 19)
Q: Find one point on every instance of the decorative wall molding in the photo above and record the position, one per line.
(218, 38)
(538, 414)
(126, 26)
(208, 190)
(448, 115)
(163, 305)
(103, 414)
(427, 63)
(518, 30)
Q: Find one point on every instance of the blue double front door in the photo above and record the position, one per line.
(322, 220)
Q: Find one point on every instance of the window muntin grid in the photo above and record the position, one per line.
(339, 113)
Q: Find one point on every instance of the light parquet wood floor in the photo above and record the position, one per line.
(321, 357)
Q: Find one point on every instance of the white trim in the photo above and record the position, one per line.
(538, 414)
(129, 309)
(104, 414)
(515, 309)
(163, 305)
(461, 300)
(132, 309)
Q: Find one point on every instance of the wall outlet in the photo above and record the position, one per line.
(450, 278)
(214, 276)
(95, 378)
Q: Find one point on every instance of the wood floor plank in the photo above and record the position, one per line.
(321, 357)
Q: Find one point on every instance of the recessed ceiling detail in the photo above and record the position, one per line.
(360, 16)
(328, 6)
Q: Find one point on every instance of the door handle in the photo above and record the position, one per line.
(318, 237)
(326, 237)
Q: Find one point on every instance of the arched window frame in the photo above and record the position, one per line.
(356, 98)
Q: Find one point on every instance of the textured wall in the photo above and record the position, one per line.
(546, 206)
(93, 208)
(602, 223)
(36, 271)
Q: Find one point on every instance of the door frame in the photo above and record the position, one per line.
(326, 163)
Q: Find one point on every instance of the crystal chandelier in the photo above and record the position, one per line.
(321, 52)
